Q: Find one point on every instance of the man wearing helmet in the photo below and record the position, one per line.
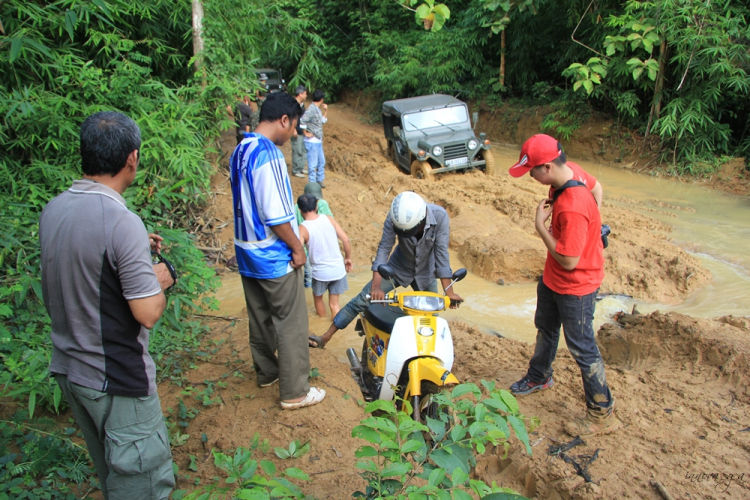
(421, 257)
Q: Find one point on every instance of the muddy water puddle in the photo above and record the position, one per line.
(500, 310)
(713, 226)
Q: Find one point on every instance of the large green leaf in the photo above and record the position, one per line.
(394, 469)
(457, 457)
(520, 429)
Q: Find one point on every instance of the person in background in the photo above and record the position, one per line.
(103, 293)
(566, 294)
(421, 257)
(243, 115)
(312, 122)
(312, 188)
(321, 234)
(299, 157)
(270, 256)
(260, 97)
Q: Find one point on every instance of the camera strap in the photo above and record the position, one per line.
(574, 183)
(161, 259)
(571, 183)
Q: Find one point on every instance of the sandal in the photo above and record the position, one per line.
(316, 342)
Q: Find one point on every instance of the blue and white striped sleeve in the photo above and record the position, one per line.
(271, 194)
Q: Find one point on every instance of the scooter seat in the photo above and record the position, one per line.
(383, 317)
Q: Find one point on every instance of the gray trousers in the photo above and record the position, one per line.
(127, 440)
(277, 314)
(299, 154)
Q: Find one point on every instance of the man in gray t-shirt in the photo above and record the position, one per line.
(103, 293)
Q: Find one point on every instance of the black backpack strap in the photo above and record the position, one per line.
(571, 183)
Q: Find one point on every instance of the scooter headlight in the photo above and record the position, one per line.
(426, 331)
(421, 303)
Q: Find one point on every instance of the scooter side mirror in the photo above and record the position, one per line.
(385, 271)
(459, 274)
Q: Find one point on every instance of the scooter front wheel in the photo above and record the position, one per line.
(423, 406)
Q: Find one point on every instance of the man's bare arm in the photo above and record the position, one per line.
(598, 193)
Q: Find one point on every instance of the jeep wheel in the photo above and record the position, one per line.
(421, 170)
(489, 163)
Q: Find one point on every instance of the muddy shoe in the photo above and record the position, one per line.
(594, 423)
(526, 386)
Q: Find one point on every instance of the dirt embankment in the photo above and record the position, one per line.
(600, 140)
(680, 384)
(681, 391)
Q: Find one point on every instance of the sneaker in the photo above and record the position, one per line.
(298, 174)
(313, 397)
(526, 386)
(269, 384)
(321, 184)
(596, 422)
(304, 171)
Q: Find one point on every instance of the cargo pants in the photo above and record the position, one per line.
(278, 322)
(127, 440)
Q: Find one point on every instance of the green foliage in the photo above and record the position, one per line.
(439, 450)
(699, 105)
(296, 450)
(39, 460)
(60, 64)
(249, 479)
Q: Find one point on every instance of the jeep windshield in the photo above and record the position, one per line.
(436, 118)
(268, 75)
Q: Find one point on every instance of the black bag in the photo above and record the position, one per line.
(606, 231)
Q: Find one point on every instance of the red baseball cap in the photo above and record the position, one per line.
(537, 150)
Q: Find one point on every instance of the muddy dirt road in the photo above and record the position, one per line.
(680, 383)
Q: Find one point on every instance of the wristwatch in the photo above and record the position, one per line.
(156, 258)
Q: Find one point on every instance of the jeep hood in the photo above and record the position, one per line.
(441, 139)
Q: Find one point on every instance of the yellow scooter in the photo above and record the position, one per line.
(408, 349)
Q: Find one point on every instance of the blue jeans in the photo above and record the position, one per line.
(316, 161)
(576, 315)
(360, 302)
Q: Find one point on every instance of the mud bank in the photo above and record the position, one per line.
(680, 384)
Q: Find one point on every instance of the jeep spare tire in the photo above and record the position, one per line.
(422, 170)
(489, 162)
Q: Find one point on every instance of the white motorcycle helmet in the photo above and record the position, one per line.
(408, 210)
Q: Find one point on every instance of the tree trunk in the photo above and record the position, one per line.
(660, 77)
(658, 88)
(502, 58)
(197, 33)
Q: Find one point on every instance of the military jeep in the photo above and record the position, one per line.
(432, 134)
(270, 80)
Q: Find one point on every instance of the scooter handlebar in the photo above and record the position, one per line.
(385, 301)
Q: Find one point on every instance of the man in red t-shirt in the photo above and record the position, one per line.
(573, 272)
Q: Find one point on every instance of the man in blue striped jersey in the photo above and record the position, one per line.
(270, 256)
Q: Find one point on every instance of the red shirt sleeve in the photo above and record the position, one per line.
(573, 233)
